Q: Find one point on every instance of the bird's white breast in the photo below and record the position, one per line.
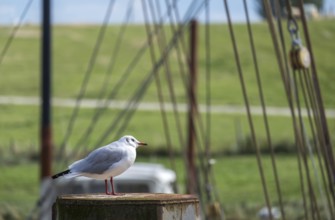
(119, 167)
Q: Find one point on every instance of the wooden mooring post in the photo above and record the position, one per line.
(140, 206)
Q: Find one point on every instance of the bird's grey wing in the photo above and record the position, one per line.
(99, 160)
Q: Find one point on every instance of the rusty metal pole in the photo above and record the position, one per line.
(191, 165)
(45, 132)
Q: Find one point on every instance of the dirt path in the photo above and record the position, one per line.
(152, 106)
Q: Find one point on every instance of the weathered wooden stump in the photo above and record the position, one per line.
(141, 206)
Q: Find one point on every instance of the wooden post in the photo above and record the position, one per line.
(191, 167)
(140, 206)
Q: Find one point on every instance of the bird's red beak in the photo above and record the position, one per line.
(142, 144)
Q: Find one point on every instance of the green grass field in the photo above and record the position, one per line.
(237, 178)
(73, 45)
(237, 185)
(71, 52)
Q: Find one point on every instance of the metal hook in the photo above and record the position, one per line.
(292, 26)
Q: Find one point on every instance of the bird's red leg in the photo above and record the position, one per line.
(113, 192)
(106, 188)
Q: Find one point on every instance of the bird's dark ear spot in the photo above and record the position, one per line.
(127, 139)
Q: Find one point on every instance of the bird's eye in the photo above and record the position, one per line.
(133, 140)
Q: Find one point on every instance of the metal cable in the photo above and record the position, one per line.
(87, 76)
(161, 41)
(210, 178)
(106, 81)
(183, 48)
(292, 26)
(182, 55)
(308, 104)
(265, 118)
(286, 75)
(316, 114)
(181, 52)
(14, 31)
(246, 103)
(201, 126)
(129, 69)
(188, 15)
(207, 174)
(301, 181)
(159, 91)
(192, 11)
(325, 141)
(283, 73)
(132, 105)
(303, 144)
(288, 82)
(328, 145)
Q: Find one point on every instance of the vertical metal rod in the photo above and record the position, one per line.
(192, 180)
(45, 132)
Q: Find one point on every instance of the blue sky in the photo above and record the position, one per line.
(92, 11)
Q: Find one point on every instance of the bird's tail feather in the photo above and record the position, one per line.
(67, 173)
(61, 174)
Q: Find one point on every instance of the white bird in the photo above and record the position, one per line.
(105, 162)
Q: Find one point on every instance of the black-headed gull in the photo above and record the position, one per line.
(105, 162)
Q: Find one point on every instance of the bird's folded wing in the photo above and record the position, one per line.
(99, 160)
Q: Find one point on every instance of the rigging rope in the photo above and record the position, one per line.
(98, 110)
(207, 174)
(161, 41)
(288, 84)
(209, 179)
(87, 76)
(284, 74)
(129, 69)
(316, 133)
(293, 97)
(265, 118)
(291, 91)
(14, 31)
(329, 156)
(302, 146)
(181, 52)
(310, 149)
(159, 89)
(131, 107)
(118, 86)
(246, 103)
(182, 55)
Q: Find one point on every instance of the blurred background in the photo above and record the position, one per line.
(207, 84)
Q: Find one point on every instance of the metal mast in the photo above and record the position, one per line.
(46, 131)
